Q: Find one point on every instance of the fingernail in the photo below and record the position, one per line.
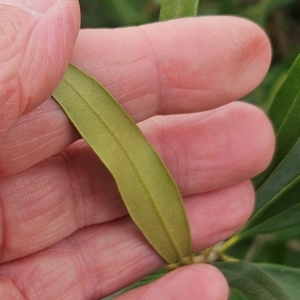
(33, 6)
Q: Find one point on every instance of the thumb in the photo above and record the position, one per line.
(36, 40)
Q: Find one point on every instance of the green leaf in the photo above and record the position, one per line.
(284, 114)
(264, 94)
(172, 9)
(249, 281)
(148, 191)
(237, 295)
(280, 179)
(283, 212)
(258, 282)
(277, 195)
(287, 277)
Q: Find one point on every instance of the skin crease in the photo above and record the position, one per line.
(64, 231)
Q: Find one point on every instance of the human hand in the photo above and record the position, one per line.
(64, 229)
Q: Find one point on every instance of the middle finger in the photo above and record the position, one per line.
(203, 151)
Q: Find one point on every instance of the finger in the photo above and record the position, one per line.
(35, 49)
(56, 197)
(215, 69)
(213, 149)
(177, 66)
(35, 136)
(99, 260)
(29, 143)
(197, 282)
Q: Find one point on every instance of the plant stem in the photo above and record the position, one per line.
(228, 244)
(227, 258)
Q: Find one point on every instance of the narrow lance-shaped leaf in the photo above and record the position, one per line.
(287, 171)
(278, 203)
(172, 9)
(277, 195)
(283, 211)
(147, 189)
(284, 114)
(251, 282)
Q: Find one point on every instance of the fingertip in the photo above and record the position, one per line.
(246, 57)
(254, 53)
(266, 138)
(199, 281)
(260, 140)
(215, 60)
(246, 194)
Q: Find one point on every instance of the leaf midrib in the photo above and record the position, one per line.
(139, 176)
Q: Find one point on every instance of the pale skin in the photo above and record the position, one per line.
(64, 231)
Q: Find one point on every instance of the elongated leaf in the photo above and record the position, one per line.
(284, 212)
(250, 281)
(147, 189)
(281, 192)
(281, 178)
(284, 114)
(287, 277)
(278, 199)
(237, 295)
(172, 9)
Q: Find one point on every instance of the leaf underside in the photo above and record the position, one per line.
(250, 281)
(147, 189)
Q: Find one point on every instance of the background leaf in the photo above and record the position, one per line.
(284, 114)
(261, 281)
(235, 294)
(277, 204)
(287, 277)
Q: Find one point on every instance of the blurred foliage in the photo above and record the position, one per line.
(117, 13)
(281, 247)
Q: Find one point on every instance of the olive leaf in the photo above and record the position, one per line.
(284, 114)
(147, 189)
(261, 281)
(278, 187)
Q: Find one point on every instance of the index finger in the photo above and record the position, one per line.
(177, 66)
